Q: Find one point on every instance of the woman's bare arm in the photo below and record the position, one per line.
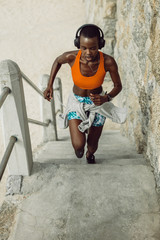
(67, 57)
(111, 66)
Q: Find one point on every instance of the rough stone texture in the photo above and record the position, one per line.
(137, 52)
(14, 184)
(103, 13)
(7, 215)
(109, 10)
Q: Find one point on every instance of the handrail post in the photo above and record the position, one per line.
(58, 94)
(48, 112)
(14, 119)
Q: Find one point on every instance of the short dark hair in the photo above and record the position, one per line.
(90, 32)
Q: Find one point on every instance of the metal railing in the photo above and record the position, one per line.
(5, 92)
(31, 84)
(4, 95)
(6, 155)
(45, 124)
(11, 83)
(39, 123)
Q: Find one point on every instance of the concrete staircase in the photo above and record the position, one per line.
(66, 199)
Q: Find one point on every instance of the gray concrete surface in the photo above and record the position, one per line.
(66, 199)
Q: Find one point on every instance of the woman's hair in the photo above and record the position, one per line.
(90, 32)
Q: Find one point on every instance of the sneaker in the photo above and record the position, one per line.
(91, 159)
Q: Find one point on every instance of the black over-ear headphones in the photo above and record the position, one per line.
(77, 38)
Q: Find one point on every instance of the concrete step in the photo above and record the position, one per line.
(88, 202)
(110, 151)
(67, 199)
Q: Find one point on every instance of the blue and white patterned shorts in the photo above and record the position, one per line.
(99, 120)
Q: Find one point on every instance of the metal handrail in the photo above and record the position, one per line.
(5, 92)
(41, 93)
(52, 105)
(31, 84)
(34, 86)
(57, 112)
(39, 123)
(7, 154)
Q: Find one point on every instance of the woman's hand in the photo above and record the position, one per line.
(48, 93)
(98, 99)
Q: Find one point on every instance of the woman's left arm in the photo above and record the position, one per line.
(110, 66)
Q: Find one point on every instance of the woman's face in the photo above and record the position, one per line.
(89, 48)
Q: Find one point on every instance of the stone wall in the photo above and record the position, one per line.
(103, 13)
(137, 53)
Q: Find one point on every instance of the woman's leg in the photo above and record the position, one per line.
(92, 140)
(78, 138)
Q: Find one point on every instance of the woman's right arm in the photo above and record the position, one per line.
(62, 59)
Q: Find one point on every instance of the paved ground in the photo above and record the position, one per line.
(66, 199)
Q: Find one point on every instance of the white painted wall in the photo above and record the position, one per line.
(33, 33)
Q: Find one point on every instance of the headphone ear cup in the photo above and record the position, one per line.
(101, 42)
(77, 42)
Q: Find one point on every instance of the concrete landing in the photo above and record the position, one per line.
(66, 199)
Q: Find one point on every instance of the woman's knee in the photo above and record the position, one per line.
(78, 145)
(79, 148)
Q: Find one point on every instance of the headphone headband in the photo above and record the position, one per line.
(90, 25)
(101, 39)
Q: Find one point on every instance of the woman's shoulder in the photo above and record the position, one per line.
(71, 56)
(108, 61)
(67, 57)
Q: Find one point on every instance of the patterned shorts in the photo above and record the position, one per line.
(99, 120)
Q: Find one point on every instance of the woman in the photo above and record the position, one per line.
(86, 105)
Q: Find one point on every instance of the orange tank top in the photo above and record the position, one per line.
(92, 82)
